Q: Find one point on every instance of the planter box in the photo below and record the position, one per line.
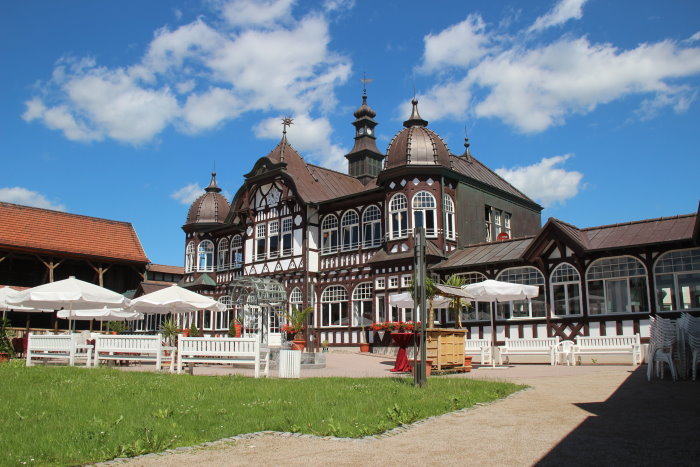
(428, 366)
(445, 347)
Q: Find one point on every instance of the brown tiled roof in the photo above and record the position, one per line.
(473, 168)
(660, 230)
(166, 269)
(151, 286)
(41, 230)
(497, 252)
(430, 250)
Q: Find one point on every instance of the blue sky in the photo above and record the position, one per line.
(121, 109)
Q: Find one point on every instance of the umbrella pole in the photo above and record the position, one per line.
(493, 335)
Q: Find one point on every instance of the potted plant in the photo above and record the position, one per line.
(296, 325)
(169, 330)
(7, 351)
(194, 332)
(234, 328)
(324, 345)
(116, 327)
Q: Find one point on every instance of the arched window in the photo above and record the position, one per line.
(372, 227)
(362, 299)
(334, 306)
(478, 311)
(222, 319)
(566, 290)
(449, 208)
(236, 252)
(329, 234)
(617, 285)
(423, 205)
(528, 308)
(350, 228)
(398, 217)
(205, 256)
(295, 297)
(189, 257)
(222, 262)
(677, 276)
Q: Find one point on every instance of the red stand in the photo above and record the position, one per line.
(403, 340)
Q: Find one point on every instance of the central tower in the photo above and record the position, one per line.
(364, 160)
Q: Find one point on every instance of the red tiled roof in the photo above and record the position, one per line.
(166, 269)
(41, 230)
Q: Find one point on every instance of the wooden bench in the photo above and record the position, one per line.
(608, 345)
(134, 348)
(533, 346)
(480, 347)
(58, 347)
(231, 350)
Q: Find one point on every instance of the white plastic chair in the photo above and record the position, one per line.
(564, 349)
(663, 343)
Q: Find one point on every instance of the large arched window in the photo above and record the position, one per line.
(677, 276)
(350, 230)
(398, 217)
(362, 299)
(528, 308)
(566, 290)
(449, 208)
(478, 311)
(236, 252)
(222, 256)
(189, 257)
(329, 234)
(617, 285)
(423, 205)
(205, 256)
(372, 227)
(334, 306)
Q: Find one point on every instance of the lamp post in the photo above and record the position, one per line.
(419, 376)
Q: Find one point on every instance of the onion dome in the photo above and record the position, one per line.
(416, 144)
(364, 110)
(210, 208)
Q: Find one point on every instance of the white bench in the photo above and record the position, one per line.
(480, 347)
(133, 348)
(58, 347)
(607, 345)
(232, 350)
(533, 346)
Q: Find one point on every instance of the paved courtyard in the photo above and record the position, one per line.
(584, 415)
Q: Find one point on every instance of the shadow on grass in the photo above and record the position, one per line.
(642, 423)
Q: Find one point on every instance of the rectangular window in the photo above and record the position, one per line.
(381, 309)
(274, 239)
(380, 283)
(487, 223)
(406, 281)
(287, 236)
(260, 242)
(393, 282)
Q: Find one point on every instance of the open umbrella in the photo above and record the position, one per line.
(71, 293)
(405, 300)
(174, 299)
(100, 314)
(496, 291)
(8, 292)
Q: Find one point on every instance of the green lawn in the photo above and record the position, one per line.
(66, 416)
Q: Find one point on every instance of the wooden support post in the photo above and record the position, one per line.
(100, 270)
(51, 266)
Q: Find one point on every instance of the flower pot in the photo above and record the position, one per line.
(467, 363)
(298, 344)
(185, 333)
(364, 347)
(238, 330)
(4, 357)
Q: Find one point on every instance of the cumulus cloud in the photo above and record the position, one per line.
(197, 76)
(459, 45)
(560, 14)
(188, 193)
(544, 181)
(25, 197)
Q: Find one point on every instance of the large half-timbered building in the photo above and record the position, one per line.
(343, 243)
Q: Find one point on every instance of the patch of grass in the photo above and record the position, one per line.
(66, 416)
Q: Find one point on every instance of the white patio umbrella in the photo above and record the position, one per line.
(405, 300)
(174, 299)
(100, 314)
(496, 291)
(71, 293)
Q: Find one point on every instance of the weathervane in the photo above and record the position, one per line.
(286, 121)
(364, 82)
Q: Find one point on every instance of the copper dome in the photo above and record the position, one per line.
(417, 145)
(210, 208)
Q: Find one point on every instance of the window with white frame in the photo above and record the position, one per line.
(372, 227)
(237, 252)
(380, 283)
(296, 298)
(530, 307)
(222, 319)
(205, 256)
(393, 282)
(222, 256)
(273, 236)
(488, 223)
(496, 221)
(398, 217)
(478, 311)
(334, 306)
(189, 257)
(329, 234)
(449, 208)
(677, 276)
(566, 290)
(506, 224)
(286, 236)
(424, 207)
(617, 285)
(260, 242)
(362, 301)
(406, 281)
(399, 314)
(350, 230)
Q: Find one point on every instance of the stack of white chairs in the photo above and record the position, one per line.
(663, 347)
(689, 337)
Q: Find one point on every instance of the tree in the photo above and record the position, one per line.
(430, 293)
(456, 303)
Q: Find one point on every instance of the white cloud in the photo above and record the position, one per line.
(19, 195)
(257, 12)
(544, 181)
(694, 38)
(560, 14)
(188, 193)
(459, 45)
(207, 110)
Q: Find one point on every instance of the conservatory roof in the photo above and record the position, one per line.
(257, 291)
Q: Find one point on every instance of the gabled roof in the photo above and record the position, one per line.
(496, 252)
(166, 269)
(149, 286)
(25, 228)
